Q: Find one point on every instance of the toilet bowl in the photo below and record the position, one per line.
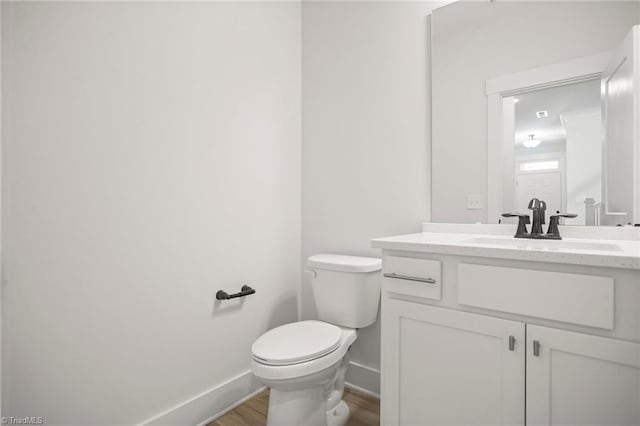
(305, 362)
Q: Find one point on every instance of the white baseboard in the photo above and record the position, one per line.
(215, 402)
(363, 378)
(231, 407)
(211, 403)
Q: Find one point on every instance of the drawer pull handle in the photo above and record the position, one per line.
(536, 348)
(512, 343)
(410, 278)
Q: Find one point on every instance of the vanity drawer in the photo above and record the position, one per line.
(571, 298)
(414, 277)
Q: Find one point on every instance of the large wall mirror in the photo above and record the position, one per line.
(536, 99)
(568, 133)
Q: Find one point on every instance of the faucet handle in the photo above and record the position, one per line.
(521, 216)
(553, 232)
(523, 221)
(567, 215)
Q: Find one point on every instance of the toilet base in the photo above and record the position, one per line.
(300, 407)
(304, 408)
(339, 415)
(311, 400)
(292, 403)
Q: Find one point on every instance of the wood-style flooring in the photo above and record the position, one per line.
(365, 411)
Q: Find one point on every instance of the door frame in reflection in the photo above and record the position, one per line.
(496, 89)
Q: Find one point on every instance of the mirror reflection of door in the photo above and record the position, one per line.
(576, 144)
(556, 147)
(544, 183)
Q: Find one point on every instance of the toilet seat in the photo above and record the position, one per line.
(305, 368)
(296, 343)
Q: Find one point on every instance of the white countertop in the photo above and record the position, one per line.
(618, 253)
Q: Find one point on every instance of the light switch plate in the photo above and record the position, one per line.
(474, 202)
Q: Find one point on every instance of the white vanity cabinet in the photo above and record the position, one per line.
(559, 348)
(579, 379)
(444, 367)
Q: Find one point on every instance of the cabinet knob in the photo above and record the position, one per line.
(512, 343)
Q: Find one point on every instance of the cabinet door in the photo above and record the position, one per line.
(445, 367)
(577, 379)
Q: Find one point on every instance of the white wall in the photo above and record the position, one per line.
(366, 132)
(584, 160)
(151, 156)
(474, 41)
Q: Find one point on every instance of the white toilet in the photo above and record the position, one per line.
(304, 363)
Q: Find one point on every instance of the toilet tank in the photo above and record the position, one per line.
(346, 289)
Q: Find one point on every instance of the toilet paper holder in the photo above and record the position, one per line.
(244, 291)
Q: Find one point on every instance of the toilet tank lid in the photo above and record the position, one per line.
(342, 263)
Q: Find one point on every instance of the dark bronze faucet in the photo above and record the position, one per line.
(538, 209)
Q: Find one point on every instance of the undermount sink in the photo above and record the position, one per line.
(543, 244)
